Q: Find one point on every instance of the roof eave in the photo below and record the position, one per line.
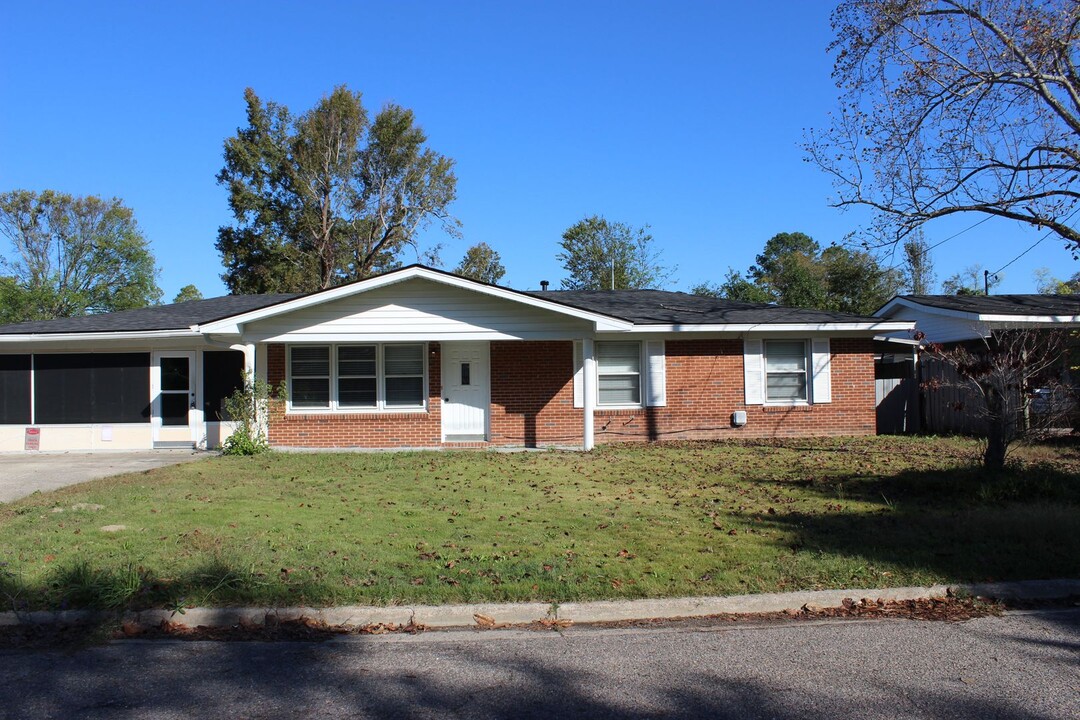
(122, 335)
(884, 326)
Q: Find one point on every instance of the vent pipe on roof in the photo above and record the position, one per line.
(544, 285)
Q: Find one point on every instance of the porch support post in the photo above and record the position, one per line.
(249, 359)
(588, 392)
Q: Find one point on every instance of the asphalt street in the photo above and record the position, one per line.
(1017, 666)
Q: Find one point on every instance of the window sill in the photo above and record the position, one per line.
(322, 412)
(777, 407)
(619, 408)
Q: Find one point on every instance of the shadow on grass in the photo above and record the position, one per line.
(80, 585)
(961, 524)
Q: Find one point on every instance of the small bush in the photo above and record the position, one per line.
(246, 409)
(242, 442)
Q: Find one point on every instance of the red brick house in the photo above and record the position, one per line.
(422, 358)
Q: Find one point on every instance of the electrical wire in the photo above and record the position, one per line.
(1034, 245)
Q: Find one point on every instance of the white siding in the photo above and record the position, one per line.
(416, 310)
(939, 328)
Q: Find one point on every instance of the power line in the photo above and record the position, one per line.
(1034, 245)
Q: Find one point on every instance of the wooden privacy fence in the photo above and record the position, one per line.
(897, 392)
(932, 398)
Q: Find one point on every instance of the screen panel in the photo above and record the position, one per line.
(92, 388)
(14, 389)
(223, 374)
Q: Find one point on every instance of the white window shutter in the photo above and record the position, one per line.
(821, 363)
(579, 372)
(657, 380)
(753, 372)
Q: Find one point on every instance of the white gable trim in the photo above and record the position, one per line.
(895, 304)
(231, 325)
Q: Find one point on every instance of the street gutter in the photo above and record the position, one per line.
(503, 614)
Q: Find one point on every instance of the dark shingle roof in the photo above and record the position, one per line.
(1002, 304)
(641, 307)
(660, 307)
(178, 316)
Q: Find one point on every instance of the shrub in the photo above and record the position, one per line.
(246, 408)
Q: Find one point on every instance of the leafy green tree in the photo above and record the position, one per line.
(788, 271)
(603, 255)
(735, 287)
(1047, 284)
(327, 196)
(188, 292)
(855, 281)
(72, 256)
(481, 263)
(792, 270)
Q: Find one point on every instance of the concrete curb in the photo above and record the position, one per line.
(444, 616)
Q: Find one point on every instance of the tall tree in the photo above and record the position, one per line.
(951, 106)
(186, 293)
(603, 255)
(919, 278)
(1047, 284)
(855, 281)
(327, 196)
(72, 256)
(972, 280)
(735, 287)
(792, 270)
(481, 263)
(788, 271)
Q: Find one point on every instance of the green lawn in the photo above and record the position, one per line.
(623, 522)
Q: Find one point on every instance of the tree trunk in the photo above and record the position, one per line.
(996, 440)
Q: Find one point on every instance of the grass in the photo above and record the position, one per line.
(621, 522)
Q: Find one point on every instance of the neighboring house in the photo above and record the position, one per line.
(947, 320)
(422, 358)
(956, 318)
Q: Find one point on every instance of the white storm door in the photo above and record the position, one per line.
(172, 378)
(466, 390)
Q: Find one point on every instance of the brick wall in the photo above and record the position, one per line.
(705, 386)
(360, 429)
(532, 394)
(532, 401)
(532, 397)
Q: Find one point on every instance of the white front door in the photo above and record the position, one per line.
(172, 382)
(466, 391)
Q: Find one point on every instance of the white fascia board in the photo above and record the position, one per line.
(898, 340)
(74, 337)
(232, 325)
(877, 327)
(1030, 319)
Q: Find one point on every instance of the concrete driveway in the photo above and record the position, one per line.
(23, 474)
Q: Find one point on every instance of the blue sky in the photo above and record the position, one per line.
(686, 116)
